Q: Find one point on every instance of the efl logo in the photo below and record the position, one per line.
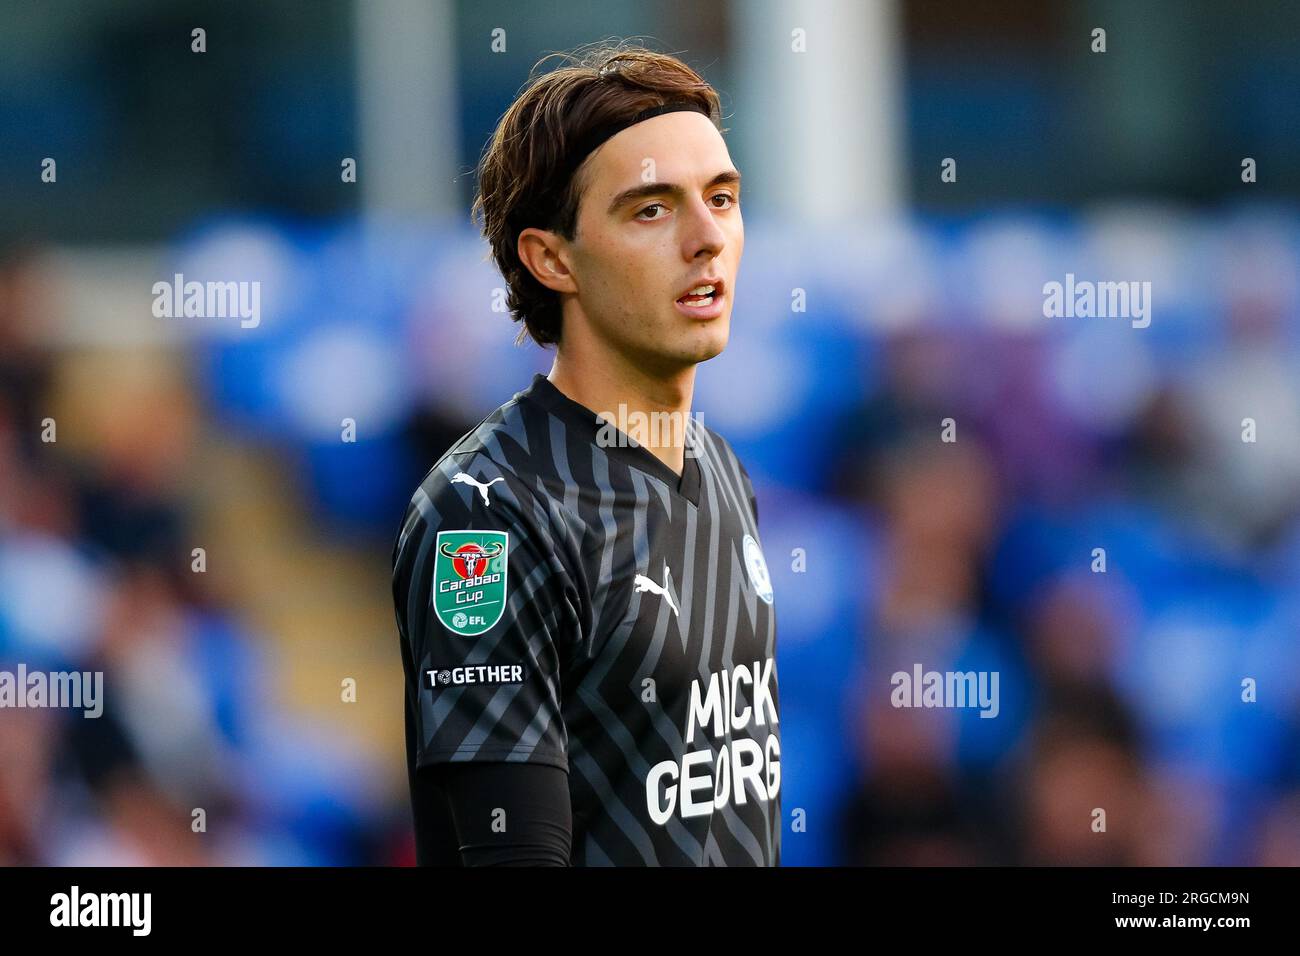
(465, 621)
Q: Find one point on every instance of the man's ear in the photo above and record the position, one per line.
(544, 254)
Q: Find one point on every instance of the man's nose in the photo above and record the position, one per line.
(704, 233)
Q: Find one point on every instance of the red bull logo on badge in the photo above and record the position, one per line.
(469, 559)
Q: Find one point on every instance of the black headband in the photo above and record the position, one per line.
(587, 144)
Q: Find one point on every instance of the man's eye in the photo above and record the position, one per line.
(727, 196)
(657, 205)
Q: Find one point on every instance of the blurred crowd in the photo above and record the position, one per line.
(192, 761)
(1098, 533)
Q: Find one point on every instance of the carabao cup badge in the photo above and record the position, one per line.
(469, 580)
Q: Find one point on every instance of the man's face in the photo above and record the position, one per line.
(659, 215)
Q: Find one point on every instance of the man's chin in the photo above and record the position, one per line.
(679, 349)
(703, 349)
(707, 340)
(712, 352)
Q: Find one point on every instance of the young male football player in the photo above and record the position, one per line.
(585, 613)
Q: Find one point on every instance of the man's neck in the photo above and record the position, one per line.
(603, 383)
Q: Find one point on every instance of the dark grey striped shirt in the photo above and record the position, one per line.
(565, 603)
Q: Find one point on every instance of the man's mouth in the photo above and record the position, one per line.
(704, 301)
(702, 293)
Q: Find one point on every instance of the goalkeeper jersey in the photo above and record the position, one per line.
(564, 597)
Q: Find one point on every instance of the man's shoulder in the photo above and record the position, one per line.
(487, 476)
(498, 447)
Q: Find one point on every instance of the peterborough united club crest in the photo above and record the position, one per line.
(757, 568)
(469, 580)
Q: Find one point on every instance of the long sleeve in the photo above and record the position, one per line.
(507, 814)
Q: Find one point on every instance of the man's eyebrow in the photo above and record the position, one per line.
(645, 190)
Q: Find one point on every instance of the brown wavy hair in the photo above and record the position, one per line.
(522, 180)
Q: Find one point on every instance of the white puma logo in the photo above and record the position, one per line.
(643, 583)
(464, 479)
